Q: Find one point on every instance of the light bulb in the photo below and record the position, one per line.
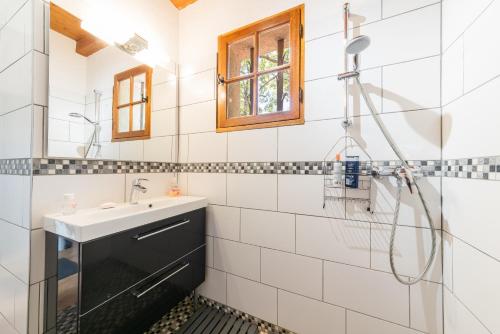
(108, 31)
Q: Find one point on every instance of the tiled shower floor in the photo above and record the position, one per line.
(172, 322)
(210, 318)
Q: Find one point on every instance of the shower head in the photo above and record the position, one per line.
(78, 115)
(357, 44)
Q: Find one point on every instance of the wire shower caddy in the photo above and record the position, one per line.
(333, 190)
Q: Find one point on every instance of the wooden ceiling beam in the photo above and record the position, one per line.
(68, 25)
(180, 4)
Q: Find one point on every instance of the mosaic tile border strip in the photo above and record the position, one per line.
(92, 167)
(428, 167)
(484, 168)
(15, 166)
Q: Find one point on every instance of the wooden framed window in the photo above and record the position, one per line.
(132, 104)
(261, 73)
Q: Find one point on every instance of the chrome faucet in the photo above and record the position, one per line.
(137, 186)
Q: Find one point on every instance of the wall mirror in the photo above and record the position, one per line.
(110, 97)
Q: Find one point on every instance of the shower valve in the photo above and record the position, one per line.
(404, 174)
(412, 174)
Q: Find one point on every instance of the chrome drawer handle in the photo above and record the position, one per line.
(147, 235)
(140, 294)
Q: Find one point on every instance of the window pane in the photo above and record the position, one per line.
(274, 47)
(274, 92)
(124, 92)
(239, 98)
(240, 57)
(123, 119)
(139, 87)
(138, 117)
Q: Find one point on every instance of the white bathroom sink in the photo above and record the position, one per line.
(89, 224)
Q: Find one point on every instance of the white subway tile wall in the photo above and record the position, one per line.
(303, 194)
(309, 316)
(14, 297)
(338, 240)
(458, 319)
(358, 323)
(417, 134)
(407, 257)
(395, 7)
(422, 92)
(268, 229)
(237, 258)
(308, 142)
(426, 307)
(252, 297)
(367, 291)
(453, 72)
(208, 147)
(223, 222)
(214, 286)
(319, 260)
(295, 273)
(252, 191)
(211, 186)
(257, 145)
(471, 259)
(15, 199)
(198, 117)
(475, 278)
(23, 75)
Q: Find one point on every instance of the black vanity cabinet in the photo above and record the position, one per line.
(124, 282)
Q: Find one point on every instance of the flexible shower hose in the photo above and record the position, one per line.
(399, 179)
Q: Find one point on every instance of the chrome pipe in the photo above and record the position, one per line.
(346, 122)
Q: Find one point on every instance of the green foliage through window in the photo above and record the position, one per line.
(273, 88)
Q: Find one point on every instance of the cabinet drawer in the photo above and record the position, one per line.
(113, 264)
(136, 309)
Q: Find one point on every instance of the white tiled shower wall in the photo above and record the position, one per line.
(273, 250)
(470, 128)
(23, 64)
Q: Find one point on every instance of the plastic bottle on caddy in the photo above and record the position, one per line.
(337, 171)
